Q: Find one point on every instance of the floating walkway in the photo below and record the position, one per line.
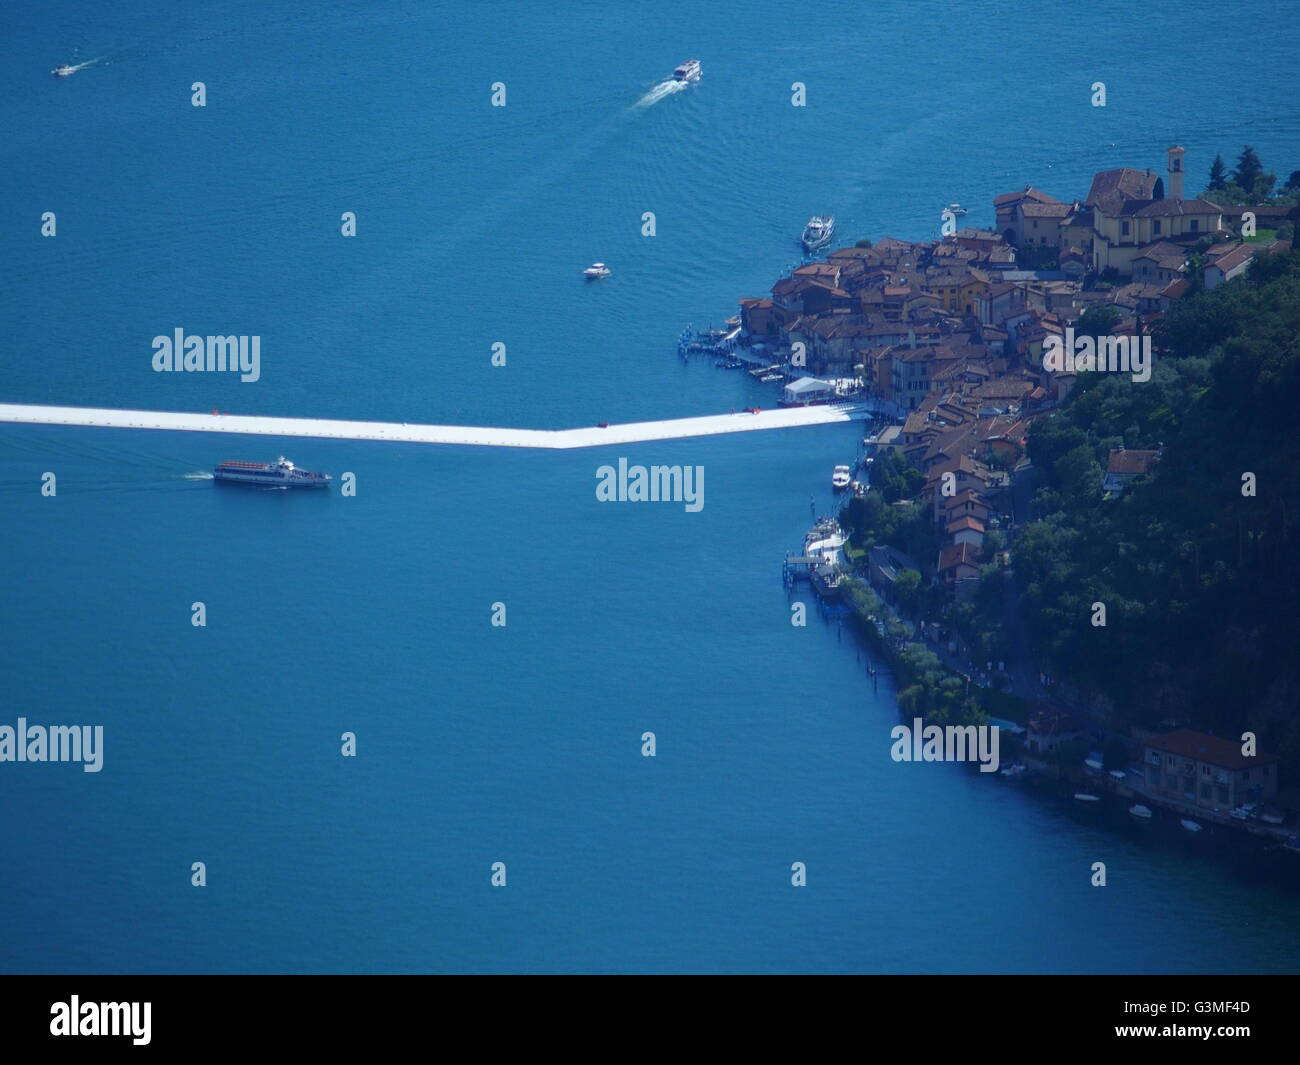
(474, 436)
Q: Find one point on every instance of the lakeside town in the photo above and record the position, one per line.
(946, 339)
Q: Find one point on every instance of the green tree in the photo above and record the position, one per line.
(1098, 320)
(1218, 174)
(908, 588)
(1249, 169)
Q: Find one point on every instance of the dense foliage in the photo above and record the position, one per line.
(1201, 589)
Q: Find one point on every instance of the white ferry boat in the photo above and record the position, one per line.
(818, 232)
(278, 474)
(824, 540)
(840, 478)
(688, 71)
(596, 270)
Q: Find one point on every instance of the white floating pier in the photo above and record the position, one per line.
(474, 436)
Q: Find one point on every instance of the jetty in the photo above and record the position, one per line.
(401, 432)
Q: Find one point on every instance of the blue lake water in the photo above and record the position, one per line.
(371, 614)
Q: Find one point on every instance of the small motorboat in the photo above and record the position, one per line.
(1271, 816)
(688, 71)
(956, 208)
(840, 478)
(1086, 798)
(1013, 771)
(63, 71)
(1190, 826)
(596, 270)
(1139, 812)
(1118, 776)
(818, 232)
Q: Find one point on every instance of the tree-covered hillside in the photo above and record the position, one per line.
(1201, 582)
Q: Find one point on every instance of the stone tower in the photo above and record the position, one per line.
(1175, 173)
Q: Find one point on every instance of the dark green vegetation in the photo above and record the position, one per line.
(1201, 583)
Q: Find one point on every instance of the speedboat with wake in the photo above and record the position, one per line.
(63, 71)
(688, 71)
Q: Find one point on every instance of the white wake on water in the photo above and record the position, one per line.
(664, 88)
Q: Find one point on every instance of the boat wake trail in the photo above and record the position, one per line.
(664, 88)
(88, 63)
(197, 476)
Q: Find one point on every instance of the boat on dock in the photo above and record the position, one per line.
(709, 342)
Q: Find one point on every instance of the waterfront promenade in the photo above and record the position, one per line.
(474, 436)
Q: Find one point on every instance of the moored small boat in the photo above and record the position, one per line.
(1139, 812)
(1190, 826)
(1086, 798)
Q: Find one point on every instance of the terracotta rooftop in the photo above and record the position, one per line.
(1202, 747)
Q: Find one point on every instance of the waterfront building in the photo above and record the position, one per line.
(1203, 770)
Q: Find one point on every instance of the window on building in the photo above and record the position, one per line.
(1156, 227)
(1195, 225)
(1123, 228)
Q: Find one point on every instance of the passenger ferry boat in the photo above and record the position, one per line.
(278, 474)
(818, 232)
(688, 71)
(824, 540)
